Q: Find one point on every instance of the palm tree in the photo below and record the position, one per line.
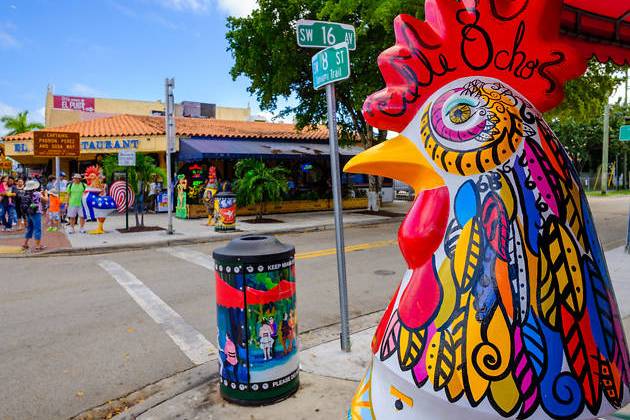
(257, 183)
(139, 178)
(19, 124)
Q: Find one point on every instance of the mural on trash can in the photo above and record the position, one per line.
(257, 332)
(507, 308)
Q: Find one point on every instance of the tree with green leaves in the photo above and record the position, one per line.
(139, 178)
(256, 183)
(265, 51)
(19, 123)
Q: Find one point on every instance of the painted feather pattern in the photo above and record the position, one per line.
(523, 322)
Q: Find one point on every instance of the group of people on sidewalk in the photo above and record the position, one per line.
(30, 206)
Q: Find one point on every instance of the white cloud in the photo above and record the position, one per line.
(6, 110)
(81, 89)
(7, 40)
(237, 8)
(187, 5)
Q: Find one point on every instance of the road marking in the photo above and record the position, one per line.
(11, 250)
(195, 257)
(349, 248)
(194, 345)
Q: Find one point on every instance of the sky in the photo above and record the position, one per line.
(117, 49)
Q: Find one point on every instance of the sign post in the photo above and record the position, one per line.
(127, 158)
(170, 148)
(624, 135)
(318, 34)
(329, 66)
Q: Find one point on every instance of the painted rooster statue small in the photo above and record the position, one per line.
(96, 205)
(507, 308)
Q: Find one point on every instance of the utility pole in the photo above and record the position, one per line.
(605, 149)
(170, 148)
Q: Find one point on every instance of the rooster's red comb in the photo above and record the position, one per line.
(516, 41)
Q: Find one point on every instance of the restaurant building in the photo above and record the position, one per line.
(201, 143)
(63, 110)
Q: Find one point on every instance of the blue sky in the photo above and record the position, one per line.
(118, 49)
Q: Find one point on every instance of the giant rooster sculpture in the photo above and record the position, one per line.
(507, 308)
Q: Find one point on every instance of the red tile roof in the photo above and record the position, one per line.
(134, 125)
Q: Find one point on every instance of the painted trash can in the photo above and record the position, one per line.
(225, 212)
(256, 320)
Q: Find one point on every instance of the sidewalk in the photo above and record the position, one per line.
(11, 242)
(328, 377)
(189, 231)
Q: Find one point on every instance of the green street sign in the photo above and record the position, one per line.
(317, 34)
(331, 65)
(624, 133)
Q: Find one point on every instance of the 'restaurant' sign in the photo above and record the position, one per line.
(55, 143)
(75, 103)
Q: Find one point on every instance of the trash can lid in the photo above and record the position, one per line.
(253, 248)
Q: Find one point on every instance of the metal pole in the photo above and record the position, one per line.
(127, 198)
(605, 149)
(625, 171)
(57, 175)
(336, 184)
(628, 236)
(170, 130)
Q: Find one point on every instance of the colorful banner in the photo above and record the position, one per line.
(74, 103)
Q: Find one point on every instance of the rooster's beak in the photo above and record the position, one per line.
(397, 158)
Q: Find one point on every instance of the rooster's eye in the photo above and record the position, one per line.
(460, 113)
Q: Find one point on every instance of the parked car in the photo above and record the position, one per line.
(403, 191)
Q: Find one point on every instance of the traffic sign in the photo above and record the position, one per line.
(624, 133)
(127, 158)
(318, 34)
(331, 65)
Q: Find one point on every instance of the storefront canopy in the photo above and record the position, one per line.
(599, 27)
(197, 149)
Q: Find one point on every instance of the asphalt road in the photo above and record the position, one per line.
(72, 337)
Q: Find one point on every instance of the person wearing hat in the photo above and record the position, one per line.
(32, 207)
(63, 186)
(75, 203)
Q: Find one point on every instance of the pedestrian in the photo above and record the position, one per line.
(51, 183)
(3, 186)
(53, 210)
(8, 204)
(63, 186)
(32, 206)
(19, 185)
(75, 203)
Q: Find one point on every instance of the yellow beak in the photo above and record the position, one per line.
(397, 158)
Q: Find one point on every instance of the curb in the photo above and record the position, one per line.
(143, 400)
(108, 249)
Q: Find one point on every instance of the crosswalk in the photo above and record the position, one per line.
(190, 341)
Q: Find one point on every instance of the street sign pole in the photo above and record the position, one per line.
(127, 198)
(170, 130)
(605, 149)
(336, 184)
(57, 174)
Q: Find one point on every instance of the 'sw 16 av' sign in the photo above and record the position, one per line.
(331, 65)
(318, 34)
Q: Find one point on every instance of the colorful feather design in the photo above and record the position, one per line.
(561, 281)
(410, 347)
(525, 376)
(467, 254)
(542, 174)
(390, 339)
(441, 359)
(582, 356)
